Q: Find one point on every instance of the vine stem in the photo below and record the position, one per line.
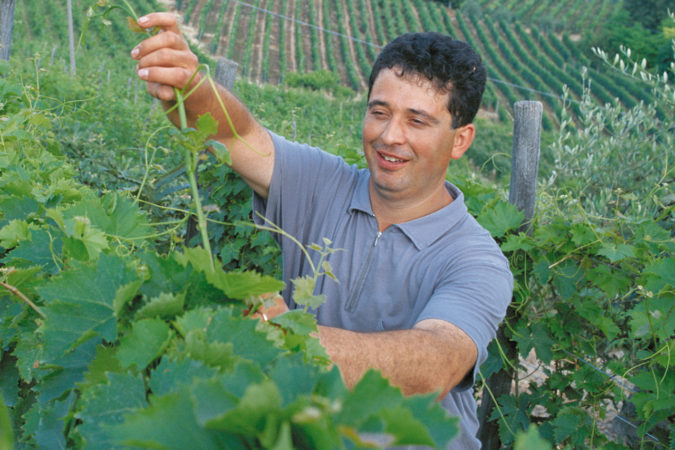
(20, 294)
(190, 169)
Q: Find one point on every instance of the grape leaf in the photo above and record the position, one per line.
(105, 404)
(295, 376)
(39, 251)
(303, 292)
(500, 217)
(164, 305)
(241, 332)
(531, 440)
(80, 302)
(260, 402)
(168, 422)
(147, 340)
(13, 233)
(171, 375)
(236, 285)
(46, 422)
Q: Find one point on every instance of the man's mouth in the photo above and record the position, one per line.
(390, 158)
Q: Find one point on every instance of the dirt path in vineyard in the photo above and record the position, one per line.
(291, 58)
(261, 24)
(318, 9)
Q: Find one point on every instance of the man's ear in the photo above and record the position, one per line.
(463, 138)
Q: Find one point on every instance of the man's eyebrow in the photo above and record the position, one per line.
(417, 112)
(374, 103)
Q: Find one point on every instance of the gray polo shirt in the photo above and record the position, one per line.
(441, 266)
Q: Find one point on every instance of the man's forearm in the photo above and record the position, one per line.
(428, 358)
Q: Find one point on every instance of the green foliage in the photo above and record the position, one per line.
(594, 288)
(107, 341)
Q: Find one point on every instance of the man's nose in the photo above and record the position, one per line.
(394, 132)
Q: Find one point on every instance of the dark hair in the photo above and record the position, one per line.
(451, 65)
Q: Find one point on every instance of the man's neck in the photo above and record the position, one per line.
(389, 210)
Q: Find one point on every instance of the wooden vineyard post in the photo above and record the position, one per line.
(524, 168)
(226, 72)
(6, 28)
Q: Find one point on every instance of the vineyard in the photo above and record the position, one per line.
(271, 38)
(116, 331)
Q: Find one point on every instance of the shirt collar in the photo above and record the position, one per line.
(423, 231)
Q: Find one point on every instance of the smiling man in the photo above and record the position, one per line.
(422, 287)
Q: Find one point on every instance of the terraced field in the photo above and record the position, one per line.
(269, 38)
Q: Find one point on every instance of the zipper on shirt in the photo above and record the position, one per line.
(353, 299)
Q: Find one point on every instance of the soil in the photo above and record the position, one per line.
(291, 58)
(318, 10)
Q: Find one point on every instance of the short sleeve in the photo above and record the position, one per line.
(474, 297)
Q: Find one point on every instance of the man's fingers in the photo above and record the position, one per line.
(163, 20)
(168, 57)
(161, 91)
(170, 76)
(166, 40)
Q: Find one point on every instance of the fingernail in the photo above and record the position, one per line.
(143, 19)
(134, 52)
(143, 73)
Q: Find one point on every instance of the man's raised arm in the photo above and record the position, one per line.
(165, 62)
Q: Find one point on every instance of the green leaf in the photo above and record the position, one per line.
(168, 423)
(164, 274)
(106, 404)
(13, 233)
(259, 403)
(407, 430)
(46, 422)
(9, 379)
(195, 319)
(517, 242)
(165, 305)
(171, 375)
(214, 354)
(499, 217)
(303, 292)
(211, 400)
(81, 301)
(617, 252)
(220, 151)
(659, 274)
(236, 285)
(613, 282)
(104, 362)
(241, 333)
(531, 440)
(440, 427)
(41, 250)
(374, 387)
(207, 125)
(6, 432)
(147, 340)
(568, 424)
(297, 377)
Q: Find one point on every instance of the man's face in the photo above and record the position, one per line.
(407, 139)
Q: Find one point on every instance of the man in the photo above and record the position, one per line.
(422, 287)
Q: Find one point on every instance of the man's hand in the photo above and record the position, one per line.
(274, 306)
(165, 60)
